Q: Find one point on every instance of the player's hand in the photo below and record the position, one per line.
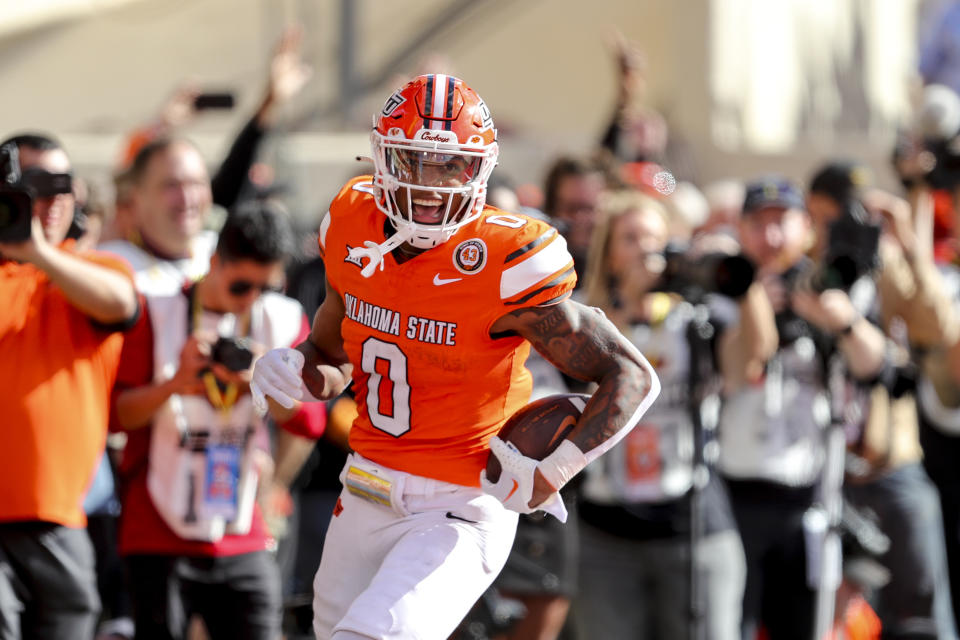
(519, 488)
(277, 374)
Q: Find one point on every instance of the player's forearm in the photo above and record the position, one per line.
(105, 295)
(620, 400)
(583, 343)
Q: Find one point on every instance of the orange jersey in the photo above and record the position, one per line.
(432, 386)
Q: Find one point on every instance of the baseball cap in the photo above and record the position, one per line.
(841, 180)
(772, 191)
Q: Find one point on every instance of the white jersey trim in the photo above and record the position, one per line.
(324, 227)
(532, 270)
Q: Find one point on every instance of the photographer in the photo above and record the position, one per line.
(772, 353)
(60, 344)
(660, 555)
(191, 533)
(883, 470)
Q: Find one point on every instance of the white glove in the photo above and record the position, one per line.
(277, 374)
(515, 486)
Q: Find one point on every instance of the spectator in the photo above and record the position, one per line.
(775, 406)
(572, 189)
(636, 506)
(724, 202)
(60, 342)
(287, 75)
(884, 472)
(171, 198)
(420, 532)
(192, 537)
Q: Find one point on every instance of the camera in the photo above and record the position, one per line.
(18, 190)
(16, 212)
(693, 278)
(233, 353)
(852, 249)
(16, 202)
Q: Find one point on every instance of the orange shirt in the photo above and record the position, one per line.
(56, 371)
(432, 386)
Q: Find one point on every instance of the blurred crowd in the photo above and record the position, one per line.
(795, 479)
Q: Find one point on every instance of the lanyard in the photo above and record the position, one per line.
(222, 400)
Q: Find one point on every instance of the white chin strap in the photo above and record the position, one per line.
(374, 252)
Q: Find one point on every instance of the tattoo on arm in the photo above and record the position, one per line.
(584, 344)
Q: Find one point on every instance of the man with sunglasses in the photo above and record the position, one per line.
(191, 534)
(433, 302)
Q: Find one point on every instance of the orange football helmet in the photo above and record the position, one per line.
(433, 135)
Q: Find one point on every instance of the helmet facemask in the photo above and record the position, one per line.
(413, 173)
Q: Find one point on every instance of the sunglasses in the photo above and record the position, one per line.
(243, 287)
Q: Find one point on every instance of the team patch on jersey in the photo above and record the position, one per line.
(470, 256)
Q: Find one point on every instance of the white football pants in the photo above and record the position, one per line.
(411, 570)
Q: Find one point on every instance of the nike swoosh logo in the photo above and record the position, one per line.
(453, 516)
(512, 491)
(437, 280)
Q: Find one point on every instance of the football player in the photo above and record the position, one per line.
(433, 301)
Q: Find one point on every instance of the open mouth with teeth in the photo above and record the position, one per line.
(428, 210)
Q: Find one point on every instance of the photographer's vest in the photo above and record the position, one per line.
(772, 430)
(653, 462)
(202, 476)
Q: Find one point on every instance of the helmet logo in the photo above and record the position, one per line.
(433, 135)
(486, 120)
(470, 256)
(392, 103)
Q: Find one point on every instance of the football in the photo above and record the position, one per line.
(538, 428)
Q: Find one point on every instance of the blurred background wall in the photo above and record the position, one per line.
(745, 86)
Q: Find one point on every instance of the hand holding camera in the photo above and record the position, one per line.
(194, 360)
(229, 359)
(830, 311)
(31, 248)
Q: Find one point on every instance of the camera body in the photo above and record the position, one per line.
(693, 278)
(16, 213)
(233, 353)
(852, 249)
(18, 190)
(16, 201)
